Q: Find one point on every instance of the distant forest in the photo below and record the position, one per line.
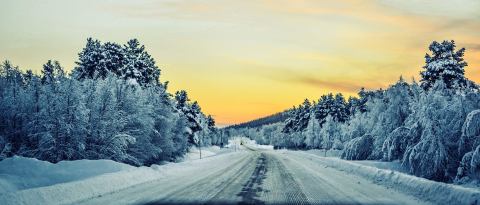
(277, 117)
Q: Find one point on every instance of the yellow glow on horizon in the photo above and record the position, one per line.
(246, 59)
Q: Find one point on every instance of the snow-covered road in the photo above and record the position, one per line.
(258, 177)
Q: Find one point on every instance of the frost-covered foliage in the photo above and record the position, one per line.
(470, 133)
(101, 112)
(469, 169)
(358, 148)
(439, 116)
(475, 164)
(395, 144)
(469, 147)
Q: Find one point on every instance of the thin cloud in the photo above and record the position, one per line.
(336, 86)
(473, 46)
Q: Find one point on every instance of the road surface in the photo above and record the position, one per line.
(258, 177)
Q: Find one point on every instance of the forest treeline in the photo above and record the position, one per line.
(432, 126)
(275, 118)
(111, 106)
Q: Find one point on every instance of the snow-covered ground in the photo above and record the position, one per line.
(251, 174)
(76, 180)
(41, 178)
(19, 173)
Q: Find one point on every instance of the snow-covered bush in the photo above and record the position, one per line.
(472, 124)
(463, 171)
(469, 169)
(395, 144)
(470, 133)
(428, 158)
(475, 164)
(358, 148)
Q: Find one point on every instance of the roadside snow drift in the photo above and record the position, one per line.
(18, 173)
(72, 181)
(437, 192)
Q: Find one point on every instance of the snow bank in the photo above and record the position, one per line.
(393, 165)
(321, 152)
(67, 193)
(76, 191)
(437, 192)
(18, 173)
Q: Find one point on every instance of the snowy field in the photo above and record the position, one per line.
(252, 174)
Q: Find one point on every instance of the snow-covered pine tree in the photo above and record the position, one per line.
(338, 109)
(214, 136)
(189, 111)
(197, 122)
(446, 64)
(324, 107)
(363, 98)
(11, 114)
(52, 70)
(89, 59)
(303, 116)
(113, 59)
(290, 121)
(139, 65)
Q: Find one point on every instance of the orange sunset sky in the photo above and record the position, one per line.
(246, 59)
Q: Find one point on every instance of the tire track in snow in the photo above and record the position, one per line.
(251, 190)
